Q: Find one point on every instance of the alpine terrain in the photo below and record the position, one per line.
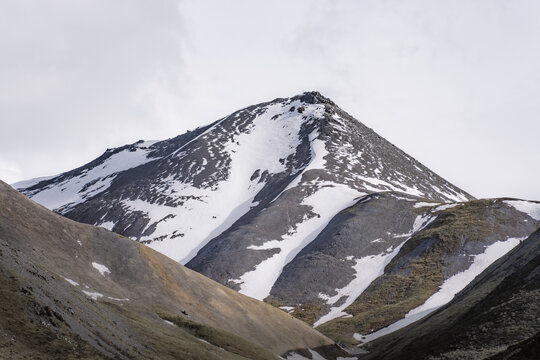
(297, 203)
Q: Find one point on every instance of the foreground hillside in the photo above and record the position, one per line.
(71, 290)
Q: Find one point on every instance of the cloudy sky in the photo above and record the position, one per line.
(456, 84)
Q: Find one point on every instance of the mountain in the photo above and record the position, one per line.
(71, 290)
(159, 192)
(495, 316)
(296, 202)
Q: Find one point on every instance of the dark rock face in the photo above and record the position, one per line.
(495, 316)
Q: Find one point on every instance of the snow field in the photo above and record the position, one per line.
(207, 212)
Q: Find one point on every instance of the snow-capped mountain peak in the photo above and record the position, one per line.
(301, 157)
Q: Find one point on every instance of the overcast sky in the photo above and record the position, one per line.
(455, 84)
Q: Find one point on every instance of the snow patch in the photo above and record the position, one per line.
(287, 309)
(93, 295)
(314, 356)
(317, 161)
(457, 282)
(319, 152)
(423, 204)
(117, 299)
(101, 268)
(74, 283)
(420, 223)
(204, 341)
(528, 207)
(446, 206)
(107, 225)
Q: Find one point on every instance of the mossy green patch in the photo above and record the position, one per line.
(308, 313)
(217, 337)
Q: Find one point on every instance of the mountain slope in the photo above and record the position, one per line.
(74, 290)
(419, 272)
(495, 316)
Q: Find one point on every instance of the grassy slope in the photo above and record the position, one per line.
(499, 308)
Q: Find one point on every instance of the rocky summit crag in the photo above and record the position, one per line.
(297, 203)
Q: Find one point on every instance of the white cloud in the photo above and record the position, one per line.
(77, 77)
(455, 84)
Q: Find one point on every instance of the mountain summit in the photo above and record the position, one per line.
(244, 160)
